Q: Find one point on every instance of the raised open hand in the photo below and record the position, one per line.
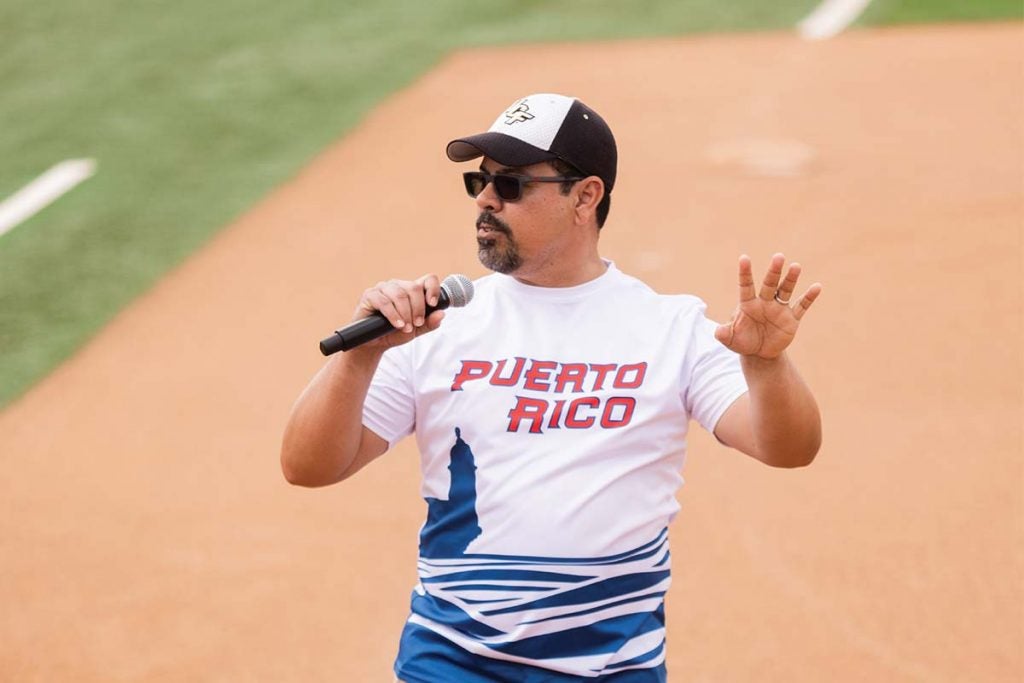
(765, 322)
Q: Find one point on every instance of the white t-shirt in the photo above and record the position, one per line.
(551, 424)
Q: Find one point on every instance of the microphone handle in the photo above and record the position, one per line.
(372, 327)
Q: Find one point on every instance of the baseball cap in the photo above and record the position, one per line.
(543, 127)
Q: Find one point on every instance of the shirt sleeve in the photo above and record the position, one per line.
(715, 376)
(389, 410)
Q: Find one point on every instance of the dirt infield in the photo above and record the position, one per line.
(147, 534)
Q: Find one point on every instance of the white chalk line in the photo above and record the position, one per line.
(43, 191)
(830, 18)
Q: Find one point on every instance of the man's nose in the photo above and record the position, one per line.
(488, 199)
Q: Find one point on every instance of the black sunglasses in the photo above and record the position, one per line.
(508, 186)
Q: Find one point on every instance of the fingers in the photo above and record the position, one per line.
(724, 334)
(806, 300)
(431, 288)
(771, 279)
(746, 279)
(786, 287)
(402, 302)
(433, 322)
(385, 298)
(775, 286)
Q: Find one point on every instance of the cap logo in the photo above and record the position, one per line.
(518, 113)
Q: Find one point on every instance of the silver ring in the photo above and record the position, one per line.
(784, 303)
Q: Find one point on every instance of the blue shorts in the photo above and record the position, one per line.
(426, 657)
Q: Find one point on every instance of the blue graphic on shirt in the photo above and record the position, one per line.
(484, 598)
(452, 524)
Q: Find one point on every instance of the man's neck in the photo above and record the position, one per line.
(560, 276)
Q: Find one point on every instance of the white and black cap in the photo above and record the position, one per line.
(543, 127)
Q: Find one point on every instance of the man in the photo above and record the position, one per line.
(551, 416)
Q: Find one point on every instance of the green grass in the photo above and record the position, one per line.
(196, 109)
(922, 11)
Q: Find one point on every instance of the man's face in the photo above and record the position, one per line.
(524, 236)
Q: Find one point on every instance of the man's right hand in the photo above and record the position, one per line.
(404, 304)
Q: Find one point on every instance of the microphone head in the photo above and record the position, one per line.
(459, 289)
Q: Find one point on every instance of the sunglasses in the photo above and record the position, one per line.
(508, 186)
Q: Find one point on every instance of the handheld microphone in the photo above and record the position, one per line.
(456, 290)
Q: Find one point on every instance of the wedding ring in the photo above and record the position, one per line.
(784, 303)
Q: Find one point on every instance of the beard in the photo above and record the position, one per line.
(497, 253)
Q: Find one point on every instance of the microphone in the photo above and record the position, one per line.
(456, 290)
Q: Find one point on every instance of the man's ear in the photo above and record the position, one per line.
(589, 193)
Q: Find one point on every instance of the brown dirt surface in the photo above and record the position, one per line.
(147, 533)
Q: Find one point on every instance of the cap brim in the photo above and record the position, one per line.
(505, 149)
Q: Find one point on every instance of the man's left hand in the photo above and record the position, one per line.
(765, 322)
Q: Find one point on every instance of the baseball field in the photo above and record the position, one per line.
(258, 165)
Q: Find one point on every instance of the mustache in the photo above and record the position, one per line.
(489, 220)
